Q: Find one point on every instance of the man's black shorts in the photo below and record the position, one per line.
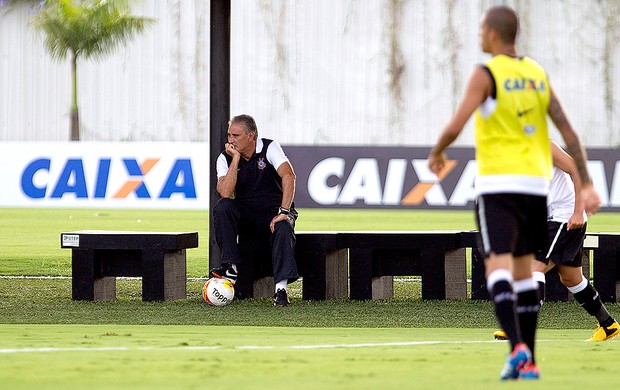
(565, 246)
(511, 223)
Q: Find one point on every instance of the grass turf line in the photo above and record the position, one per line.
(114, 356)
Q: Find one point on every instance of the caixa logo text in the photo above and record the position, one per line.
(328, 184)
(409, 182)
(38, 180)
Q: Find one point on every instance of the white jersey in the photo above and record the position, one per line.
(561, 197)
(275, 156)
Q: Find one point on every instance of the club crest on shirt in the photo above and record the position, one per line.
(261, 163)
(529, 130)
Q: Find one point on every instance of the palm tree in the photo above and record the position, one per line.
(86, 29)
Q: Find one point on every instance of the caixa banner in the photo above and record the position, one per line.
(176, 175)
(105, 174)
(398, 177)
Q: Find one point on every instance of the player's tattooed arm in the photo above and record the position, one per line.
(573, 145)
(590, 198)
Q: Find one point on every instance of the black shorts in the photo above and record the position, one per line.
(565, 246)
(511, 223)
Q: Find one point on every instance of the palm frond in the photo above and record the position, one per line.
(88, 28)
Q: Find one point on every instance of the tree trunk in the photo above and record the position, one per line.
(75, 125)
(75, 118)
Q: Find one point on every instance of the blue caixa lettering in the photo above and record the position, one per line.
(73, 180)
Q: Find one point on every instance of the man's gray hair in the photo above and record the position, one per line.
(247, 122)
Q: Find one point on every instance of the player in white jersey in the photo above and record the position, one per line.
(567, 228)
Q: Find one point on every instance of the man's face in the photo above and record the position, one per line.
(240, 140)
(484, 35)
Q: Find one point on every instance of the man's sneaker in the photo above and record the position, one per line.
(500, 335)
(605, 333)
(280, 299)
(530, 371)
(224, 272)
(519, 357)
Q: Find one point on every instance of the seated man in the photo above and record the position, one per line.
(257, 184)
(567, 228)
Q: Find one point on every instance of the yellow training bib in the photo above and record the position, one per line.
(511, 128)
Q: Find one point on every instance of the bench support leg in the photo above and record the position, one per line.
(87, 284)
(105, 288)
(383, 287)
(82, 274)
(360, 264)
(164, 276)
(433, 272)
(478, 279)
(456, 274)
(606, 274)
(263, 287)
(175, 275)
(324, 269)
(337, 274)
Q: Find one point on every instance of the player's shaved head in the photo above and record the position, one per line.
(503, 20)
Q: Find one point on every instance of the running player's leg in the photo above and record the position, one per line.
(497, 229)
(498, 234)
(539, 269)
(528, 301)
(567, 253)
(589, 299)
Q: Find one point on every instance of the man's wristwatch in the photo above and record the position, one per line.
(282, 210)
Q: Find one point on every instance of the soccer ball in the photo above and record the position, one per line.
(218, 292)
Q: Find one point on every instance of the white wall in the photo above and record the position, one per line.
(355, 72)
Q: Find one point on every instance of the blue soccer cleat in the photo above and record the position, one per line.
(518, 358)
(529, 371)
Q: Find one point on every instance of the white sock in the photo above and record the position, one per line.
(579, 286)
(523, 285)
(498, 275)
(281, 285)
(539, 276)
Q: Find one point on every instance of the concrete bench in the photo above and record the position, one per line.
(321, 263)
(439, 257)
(98, 257)
(375, 257)
(326, 261)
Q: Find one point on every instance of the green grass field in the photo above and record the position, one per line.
(49, 341)
(186, 357)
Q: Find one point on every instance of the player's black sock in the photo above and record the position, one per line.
(608, 322)
(504, 301)
(542, 292)
(589, 299)
(528, 306)
(540, 279)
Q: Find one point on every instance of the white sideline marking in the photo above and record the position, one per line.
(362, 345)
(253, 347)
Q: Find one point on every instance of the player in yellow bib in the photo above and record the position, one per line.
(511, 97)
(512, 142)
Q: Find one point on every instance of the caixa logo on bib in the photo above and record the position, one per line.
(108, 178)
